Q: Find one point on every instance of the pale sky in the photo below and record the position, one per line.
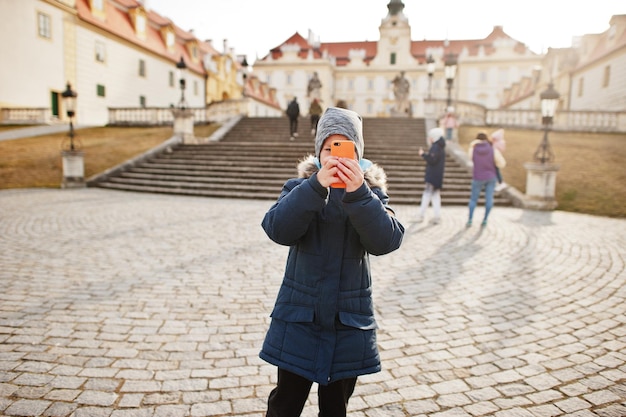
(253, 27)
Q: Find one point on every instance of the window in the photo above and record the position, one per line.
(142, 101)
(288, 79)
(169, 39)
(97, 4)
(100, 52)
(483, 77)
(171, 78)
(350, 84)
(195, 88)
(607, 76)
(141, 25)
(100, 90)
(370, 85)
(392, 58)
(581, 85)
(142, 68)
(503, 77)
(44, 26)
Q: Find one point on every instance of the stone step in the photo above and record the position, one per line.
(253, 161)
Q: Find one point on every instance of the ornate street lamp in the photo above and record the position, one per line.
(244, 65)
(182, 69)
(430, 68)
(72, 158)
(450, 72)
(69, 101)
(549, 102)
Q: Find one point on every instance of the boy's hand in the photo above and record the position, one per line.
(341, 170)
(349, 171)
(328, 173)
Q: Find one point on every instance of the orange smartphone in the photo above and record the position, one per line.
(342, 149)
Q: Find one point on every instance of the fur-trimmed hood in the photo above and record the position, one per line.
(374, 174)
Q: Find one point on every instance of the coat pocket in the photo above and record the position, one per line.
(293, 313)
(358, 321)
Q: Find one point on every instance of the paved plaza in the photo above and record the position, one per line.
(125, 304)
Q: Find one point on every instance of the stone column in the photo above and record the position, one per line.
(183, 125)
(540, 185)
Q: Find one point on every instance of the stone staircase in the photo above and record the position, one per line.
(256, 156)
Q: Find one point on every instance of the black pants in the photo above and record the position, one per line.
(293, 125)
(314, 119)
(292, 391)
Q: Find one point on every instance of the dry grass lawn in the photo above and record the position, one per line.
(36, 162)
(591, 178)
(592, 167)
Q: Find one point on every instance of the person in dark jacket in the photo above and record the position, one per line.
(293, 112)
(435, 165)
(315, 112)
(485, 159)
(323, 328)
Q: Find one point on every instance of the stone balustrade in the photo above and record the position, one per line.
(468, 114)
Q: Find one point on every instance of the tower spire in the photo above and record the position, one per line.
(395, 7)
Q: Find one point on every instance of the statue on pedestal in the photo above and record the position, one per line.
(314, 87)
(401, 92)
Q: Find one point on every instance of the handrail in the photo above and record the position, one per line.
(467, 114)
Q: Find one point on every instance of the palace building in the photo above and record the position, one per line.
(361, 73)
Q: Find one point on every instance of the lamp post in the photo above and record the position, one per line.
(450, 72)
(244, 65)
(549, 102)
(183, 117)
(69, 101)
(430, 68)
(73, 164)
(182, 69)
(541, 173)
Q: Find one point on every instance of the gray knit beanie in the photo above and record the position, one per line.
(338, 121)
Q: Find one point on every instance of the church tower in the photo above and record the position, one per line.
(394, 44)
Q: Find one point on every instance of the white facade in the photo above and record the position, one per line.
(119, 76)
(600, 86)
(113, 53)
(33, 67)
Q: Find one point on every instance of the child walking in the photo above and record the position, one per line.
(323, 328)
(435, 165)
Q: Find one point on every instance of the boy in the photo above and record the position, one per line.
(323, 328)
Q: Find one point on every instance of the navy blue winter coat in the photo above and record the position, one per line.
(435, 163)
(323, 326)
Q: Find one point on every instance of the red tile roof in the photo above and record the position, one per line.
(340, 50)
(118, 23)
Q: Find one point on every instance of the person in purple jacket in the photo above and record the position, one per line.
(323, 328)
(485, 159)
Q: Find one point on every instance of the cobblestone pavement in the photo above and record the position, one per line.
(133, 305)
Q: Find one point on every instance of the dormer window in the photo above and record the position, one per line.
(169, 37)
(138, 17)
(97, 5)
(97, 8)
(140, 25)
(192, 49)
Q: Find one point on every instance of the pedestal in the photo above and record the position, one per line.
(541, 184)
(183, 125)
(73, 169)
